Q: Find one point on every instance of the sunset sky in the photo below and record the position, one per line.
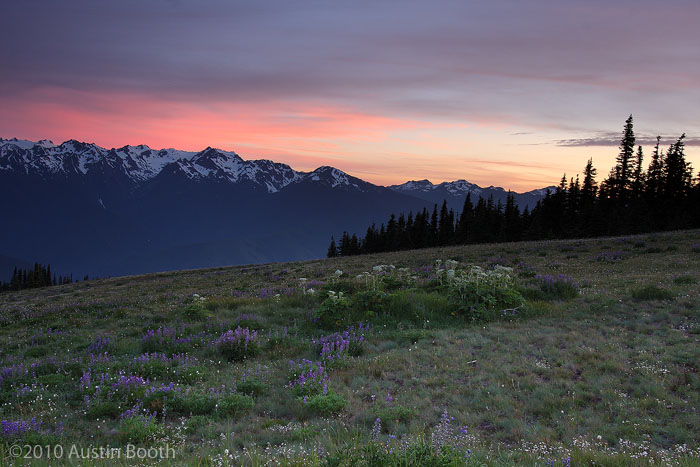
(509, 93)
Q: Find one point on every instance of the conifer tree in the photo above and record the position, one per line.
(638, 176)
(465, 221)
(654, 181)
(332, 249)
(677, 173)
(444, 227)
(622, 173)
(433, 231)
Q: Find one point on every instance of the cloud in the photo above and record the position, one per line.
(613, 139)
(461, 60)
(354, 80)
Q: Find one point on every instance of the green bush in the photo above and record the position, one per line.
(195, 311)
(652, 292)
(251, 386)
(390, 416)
(54, 379)
(235, 404)
(330, 403)
(334, 311)
(559, 287)
(193, 404)
(418, 453)
(238, 344)
(370, 303)
(198, 421)
(139, 429)
(348, 287)
(37, 351)
(482, 295)
(684, 279)
(104, 409)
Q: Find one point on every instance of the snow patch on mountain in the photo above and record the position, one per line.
(414, 185)
(141, 163)
(332, 177)
(24, 144)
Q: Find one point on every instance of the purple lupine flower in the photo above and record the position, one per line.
(338, 345)
(16, 429)
(610, 256)
(308, 377)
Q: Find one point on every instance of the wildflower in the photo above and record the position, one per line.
(376, 429)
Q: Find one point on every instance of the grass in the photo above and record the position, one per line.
(589, 356)
(652, 292)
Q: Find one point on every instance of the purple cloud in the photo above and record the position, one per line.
(613, 139)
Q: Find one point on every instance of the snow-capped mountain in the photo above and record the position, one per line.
(91, 210)
(141, 163)
(455, 192)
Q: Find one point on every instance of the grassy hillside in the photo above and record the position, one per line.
(585, 351)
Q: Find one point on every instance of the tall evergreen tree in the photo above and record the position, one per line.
(622, 173)
(638, 175)
(332, 249)
(677, 173)
(466, 219)
(433, 232)
(444, 227)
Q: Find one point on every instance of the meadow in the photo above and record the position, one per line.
(571, 352)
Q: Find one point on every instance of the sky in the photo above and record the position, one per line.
(506, 93)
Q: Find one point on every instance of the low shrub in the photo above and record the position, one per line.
(196, 422)
(251, 386)
(103, 409)
(417, 306)
(334, 310)
(326, 404)
(235, 404)
(684, 279)
(559, 287)
(193, 404)
(610, 256)
(307, 378)
(29, 432)
(482, 295)
(195, 311)
(238, 344)
(390, 416)
(370, 303)
(342, 344)
(139, 429)
(652, 292)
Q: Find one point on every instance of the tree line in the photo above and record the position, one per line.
(38, 276)
(631, 199)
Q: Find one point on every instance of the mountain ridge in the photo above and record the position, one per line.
(105, 212)
(141, 163)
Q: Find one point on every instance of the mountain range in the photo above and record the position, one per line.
(90, 210)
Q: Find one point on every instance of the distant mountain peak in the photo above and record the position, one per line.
(412, 185)
(455, 192)
(334, 178)
(139, 164)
